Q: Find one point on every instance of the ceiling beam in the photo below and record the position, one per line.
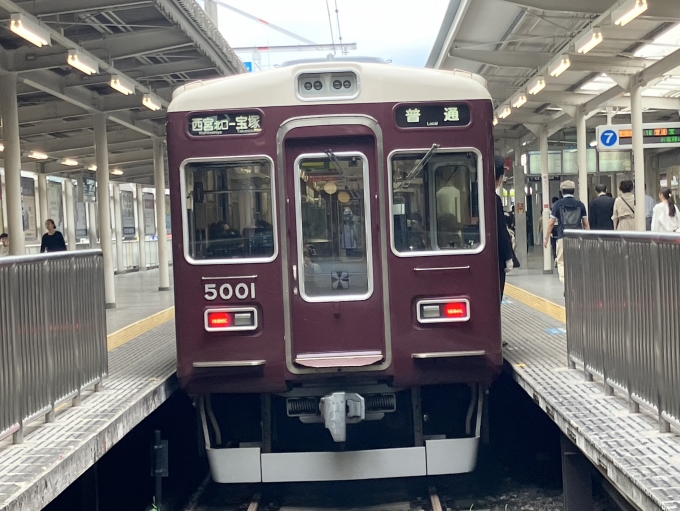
(666, 10)
(660, 68)
(521, 59)
(142, 155)
(51, 7)
(83, 142)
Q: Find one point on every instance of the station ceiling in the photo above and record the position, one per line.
(511, 43)
(151, 46)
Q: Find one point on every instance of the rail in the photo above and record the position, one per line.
(623, 315)
(130, 253)
(52, 334)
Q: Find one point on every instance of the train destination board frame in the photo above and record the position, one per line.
(225, 123)
(618, 137)
(445, 115)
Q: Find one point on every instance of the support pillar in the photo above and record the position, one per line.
(42, 201)
(577, 484)
(638, 155)
(519, 179)
(12, 159)
(545, 196)
(118, 229)
(70, 215)
(92, 224)
(610, 115)
(141, 230)
(101, 149)
(159, 180)
(582, 158)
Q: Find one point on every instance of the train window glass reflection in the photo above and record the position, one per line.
(333, 241)
(436, 208)
(229, 210)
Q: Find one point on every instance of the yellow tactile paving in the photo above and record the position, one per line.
(536, 302)
(126, 334)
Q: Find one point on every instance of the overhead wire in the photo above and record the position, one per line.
(330, 24)
(343, 51)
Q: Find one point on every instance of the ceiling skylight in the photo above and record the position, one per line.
(598, 84)
(662, 46)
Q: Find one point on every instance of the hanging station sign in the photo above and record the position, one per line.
(232, 123)
(654, 135)
(433, 116)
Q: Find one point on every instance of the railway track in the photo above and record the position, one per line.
(312, 497)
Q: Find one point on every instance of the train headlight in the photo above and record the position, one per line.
(231, 319)
(443, 310)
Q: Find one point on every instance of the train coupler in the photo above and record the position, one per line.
(339, 408)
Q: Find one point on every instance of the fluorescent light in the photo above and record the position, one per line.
(504, 111)
(519, 100)
(117, 172)
(92, 167)
(151, 102)
(29, 30)
(495, 120)
(536, 85)
(82, 62)
(2, 147)
(122, 85)
(589, 40)
(593, 143)
(628, 11)
(69, 162)
(37, 155)
(559, 65)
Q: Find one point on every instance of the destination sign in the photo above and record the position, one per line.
(239, 123)
(620, 136)
(433, 116)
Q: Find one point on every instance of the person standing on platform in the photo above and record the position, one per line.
(666, 216)
(4, 244)
(624, 208)
(52, 240)
(649, 210)
(571, 214)
(601, 210)
(505, 253)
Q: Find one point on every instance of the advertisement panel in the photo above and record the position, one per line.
(149, 214)
(28, 213)
(81, 216)
(89, 189)
(127, 211)
(55, 204)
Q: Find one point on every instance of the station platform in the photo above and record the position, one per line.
(142, 358)
(643, 464)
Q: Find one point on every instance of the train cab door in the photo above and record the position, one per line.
(335, 295)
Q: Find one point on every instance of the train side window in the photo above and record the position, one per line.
(229, 210)
(438, 208)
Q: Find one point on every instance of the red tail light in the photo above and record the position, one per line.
(231, 319)
(219, 319)
(457, 310)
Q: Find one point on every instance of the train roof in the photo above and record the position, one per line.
(379, 83)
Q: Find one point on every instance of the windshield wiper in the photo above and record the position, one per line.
(419, 166)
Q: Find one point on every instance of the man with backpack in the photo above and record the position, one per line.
(569, 213)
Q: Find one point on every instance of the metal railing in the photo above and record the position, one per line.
(623, 315)
(130, 252)
(52, 334)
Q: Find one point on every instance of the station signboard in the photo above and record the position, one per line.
(619, 137)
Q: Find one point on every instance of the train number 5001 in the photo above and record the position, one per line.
(228, 291)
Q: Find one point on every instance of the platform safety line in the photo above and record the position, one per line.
(126, 334)
(547, 307)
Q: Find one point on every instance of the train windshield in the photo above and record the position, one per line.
(229, 211)
(436, 208)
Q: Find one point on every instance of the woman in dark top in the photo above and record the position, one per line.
(52, 240)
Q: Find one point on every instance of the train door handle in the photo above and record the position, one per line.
(295, 272)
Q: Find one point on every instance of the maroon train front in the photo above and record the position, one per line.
(335, 266)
